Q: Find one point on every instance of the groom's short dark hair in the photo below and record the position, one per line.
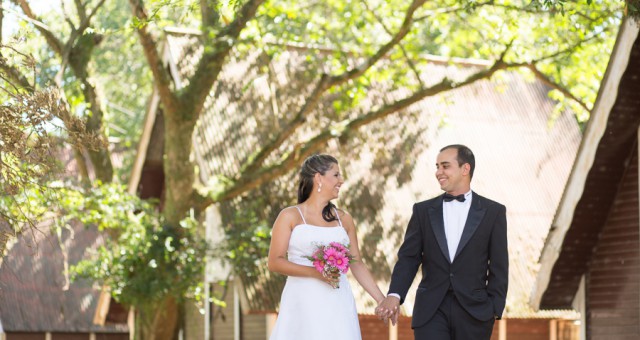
(465, 155)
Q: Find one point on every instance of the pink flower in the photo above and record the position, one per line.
(341, 248)
(331, 254)
(342, 262)
(319, 265)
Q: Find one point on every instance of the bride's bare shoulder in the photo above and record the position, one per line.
(289, 213)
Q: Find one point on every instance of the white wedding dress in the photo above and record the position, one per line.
(311, 309)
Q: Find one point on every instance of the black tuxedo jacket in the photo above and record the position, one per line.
(479, 272)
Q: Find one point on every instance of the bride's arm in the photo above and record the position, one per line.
(277, 260)
(358, 268)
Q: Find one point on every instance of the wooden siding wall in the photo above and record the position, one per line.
(26, 336)
(222, 325)
(253, 326)
(105, 336)
(193, 321)
(612, 282)
(66, 336)
(69, 336)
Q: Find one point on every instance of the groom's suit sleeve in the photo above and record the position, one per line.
(409, 257)
(498, 279)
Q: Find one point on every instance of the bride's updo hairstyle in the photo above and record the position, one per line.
(312, 165)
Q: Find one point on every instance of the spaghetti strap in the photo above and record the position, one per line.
(301, 215)
(338, 216)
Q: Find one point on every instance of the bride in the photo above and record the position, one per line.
(311, 308)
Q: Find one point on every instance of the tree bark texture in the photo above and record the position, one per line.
(157, 321)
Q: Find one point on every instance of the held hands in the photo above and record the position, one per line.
(389, 309)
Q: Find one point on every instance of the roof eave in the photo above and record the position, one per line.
(585, 158)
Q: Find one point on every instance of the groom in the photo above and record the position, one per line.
(460, 239)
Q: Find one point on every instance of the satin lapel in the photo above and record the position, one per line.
(437, 223)
(476, 213)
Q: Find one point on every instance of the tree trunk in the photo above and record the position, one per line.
(161, 320)
(79, 61)
(178, 166)
(6, 233)
(157, 321)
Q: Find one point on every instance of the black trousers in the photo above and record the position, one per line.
(452, 322)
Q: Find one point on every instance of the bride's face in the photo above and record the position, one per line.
(332, 181)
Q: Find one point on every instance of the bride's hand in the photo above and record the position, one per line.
(332, 278)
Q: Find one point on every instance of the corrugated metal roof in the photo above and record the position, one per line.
(523, 160)
(36, 295)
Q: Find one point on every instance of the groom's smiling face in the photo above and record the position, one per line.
(453, 177)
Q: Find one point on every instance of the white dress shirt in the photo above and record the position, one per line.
(454, 214)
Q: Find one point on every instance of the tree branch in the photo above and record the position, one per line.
(547, 80)
(247, 181)
(74, 129)
(569, 49)
(326, 82)
(15, 77)
(410, 62)
(150, 48)
(1, 25)
(255, 161)
(72, 44)
(209, 12)
(404, 29)
(67, 18)
(77, 53)
(81, 8)
(210, 65)
(51, 39)
(85, 20)
(451, 10)
(538, 10)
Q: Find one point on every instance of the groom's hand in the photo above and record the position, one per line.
(388, 308)
(394, 317)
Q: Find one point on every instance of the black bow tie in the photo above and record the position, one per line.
(448, 197)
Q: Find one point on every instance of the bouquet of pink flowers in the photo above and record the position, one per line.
(331, 259)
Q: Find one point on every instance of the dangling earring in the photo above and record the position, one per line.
(319, 187)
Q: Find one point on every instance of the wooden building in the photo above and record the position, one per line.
(591, 259)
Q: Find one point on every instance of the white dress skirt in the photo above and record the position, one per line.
(311, 309)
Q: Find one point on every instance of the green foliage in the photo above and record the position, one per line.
(247, 238)
(142, 259)
(633, 9)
